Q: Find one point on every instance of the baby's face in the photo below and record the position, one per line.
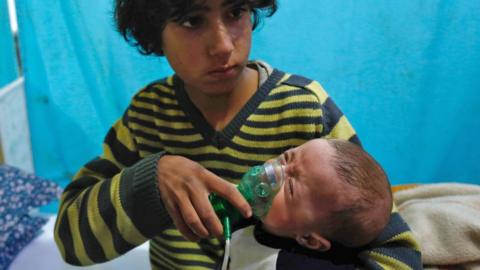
(308, 194)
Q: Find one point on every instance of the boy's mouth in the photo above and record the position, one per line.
(223, 71)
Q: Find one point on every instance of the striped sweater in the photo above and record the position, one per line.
(113, 203)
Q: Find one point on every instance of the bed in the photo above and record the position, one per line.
(444, 217)
(42, 254)
(26, 232)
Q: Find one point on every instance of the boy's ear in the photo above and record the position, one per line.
(313, 241)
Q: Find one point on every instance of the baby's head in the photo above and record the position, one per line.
(333, 191)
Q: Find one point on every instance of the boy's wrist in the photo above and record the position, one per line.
(147, 209)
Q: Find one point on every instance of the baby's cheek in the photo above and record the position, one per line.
(278, 210)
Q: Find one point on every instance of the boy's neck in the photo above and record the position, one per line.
(219, 110)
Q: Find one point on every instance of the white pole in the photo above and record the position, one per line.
(12, 12)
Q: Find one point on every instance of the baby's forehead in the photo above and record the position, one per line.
(314, 155)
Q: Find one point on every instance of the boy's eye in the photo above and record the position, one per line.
(237, 12)
(192, 22)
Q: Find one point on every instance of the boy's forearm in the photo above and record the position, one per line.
(100, 219)
(112, 205)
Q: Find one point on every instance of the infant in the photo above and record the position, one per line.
(333, 192)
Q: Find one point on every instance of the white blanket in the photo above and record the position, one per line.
(445, 218)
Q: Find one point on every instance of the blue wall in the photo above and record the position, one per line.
(406, 73)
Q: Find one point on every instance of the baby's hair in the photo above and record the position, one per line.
(354, 166)
(141, 22)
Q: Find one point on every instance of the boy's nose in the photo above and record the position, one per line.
(220, 41)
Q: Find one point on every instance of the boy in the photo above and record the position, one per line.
(183, 136)
(334, 194)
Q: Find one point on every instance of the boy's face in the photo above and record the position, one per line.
(209, 48)
(309, 194)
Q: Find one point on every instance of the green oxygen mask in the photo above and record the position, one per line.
(258, 185)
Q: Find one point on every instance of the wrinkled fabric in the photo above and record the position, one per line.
(445, 218)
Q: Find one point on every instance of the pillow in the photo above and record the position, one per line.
(21, 193)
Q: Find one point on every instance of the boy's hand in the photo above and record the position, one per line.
(184, 187)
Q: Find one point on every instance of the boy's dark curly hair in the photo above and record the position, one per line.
(141, 22)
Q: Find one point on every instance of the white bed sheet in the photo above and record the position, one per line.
(42, 254)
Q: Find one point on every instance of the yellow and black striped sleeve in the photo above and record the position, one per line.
(396, 248)
(334, 124)
(113, 203)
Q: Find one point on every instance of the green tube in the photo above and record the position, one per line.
(227, 230)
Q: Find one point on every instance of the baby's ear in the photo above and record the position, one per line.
(313, 241)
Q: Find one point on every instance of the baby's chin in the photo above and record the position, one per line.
(272, 229)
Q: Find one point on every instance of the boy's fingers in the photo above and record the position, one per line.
(180, 224)
(207, 215)
(191, 218)
(230, 192)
